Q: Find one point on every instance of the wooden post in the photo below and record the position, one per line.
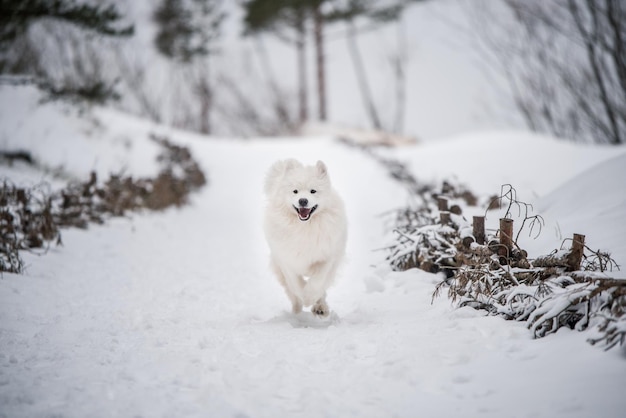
(442, 203)
(479, 229)
(575, 256)
(444, 217)
(506, 237)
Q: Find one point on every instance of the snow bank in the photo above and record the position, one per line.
(592, 203)
(534, 164)
(74, 142)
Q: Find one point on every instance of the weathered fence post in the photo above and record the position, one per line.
(479, 229)
(442, 203)
(506, 237)
(575, 256)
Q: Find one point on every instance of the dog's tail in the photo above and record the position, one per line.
(276, 173)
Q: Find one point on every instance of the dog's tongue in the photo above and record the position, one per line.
(304, 212)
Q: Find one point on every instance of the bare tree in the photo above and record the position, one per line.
(246, 115)
(320, 59)
(566, 65)
(133, 73)
(373, 17)
(399, 62)
(281, 18)
(361, 77)
(188, 33)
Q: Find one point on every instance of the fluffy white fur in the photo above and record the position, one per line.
(307, 241)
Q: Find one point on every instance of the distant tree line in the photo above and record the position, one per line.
(287, 19)
(564, 60)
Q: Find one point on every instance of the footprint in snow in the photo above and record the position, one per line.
(303, 320)
(308, 320)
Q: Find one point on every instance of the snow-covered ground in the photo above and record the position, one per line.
(176, 313)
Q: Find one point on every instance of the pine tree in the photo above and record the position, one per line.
(17, 15)
(19, 55)
(187, 28)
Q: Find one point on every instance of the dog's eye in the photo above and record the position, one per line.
(295, 192)
(313, 191)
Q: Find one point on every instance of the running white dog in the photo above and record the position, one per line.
(306, 229)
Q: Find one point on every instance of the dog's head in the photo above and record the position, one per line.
(300, 189)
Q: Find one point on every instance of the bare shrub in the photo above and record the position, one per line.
(26, 222)
(563, 61)
(31, 218)
(549, 292)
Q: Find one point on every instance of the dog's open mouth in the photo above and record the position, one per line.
(305, 213)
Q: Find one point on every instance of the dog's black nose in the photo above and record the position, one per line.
(303, 202)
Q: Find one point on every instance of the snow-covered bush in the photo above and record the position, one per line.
(31, 218)
(547, 292)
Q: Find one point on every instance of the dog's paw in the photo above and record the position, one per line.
(320, 308)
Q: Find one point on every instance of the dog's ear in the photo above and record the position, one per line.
(322, 171)
(277, 171)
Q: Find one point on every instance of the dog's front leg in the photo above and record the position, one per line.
(293, 284)
(295, 291)
(321, 279)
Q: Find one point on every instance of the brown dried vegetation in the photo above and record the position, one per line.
(31, 218)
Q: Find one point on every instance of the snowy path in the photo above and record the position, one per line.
(176, 314)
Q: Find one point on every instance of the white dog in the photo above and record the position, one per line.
(306, 229)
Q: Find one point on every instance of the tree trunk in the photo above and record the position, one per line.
(361, 76)
(399, 67)
(205, 112)
(318, 20)
(280, 106)
(302, 87)
(205, 94)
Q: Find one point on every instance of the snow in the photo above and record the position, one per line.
(56, 135)
(599, 207)
(177, 314)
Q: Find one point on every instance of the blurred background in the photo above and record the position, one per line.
(418, 69)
